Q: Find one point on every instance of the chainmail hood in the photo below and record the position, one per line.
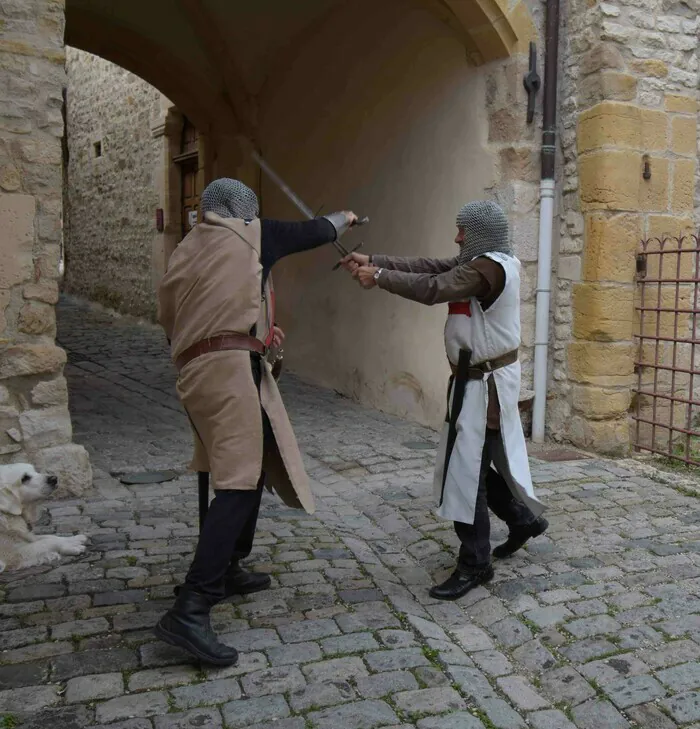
(229, 199)
(485, 229)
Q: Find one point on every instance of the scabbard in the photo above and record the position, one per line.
(459, 383)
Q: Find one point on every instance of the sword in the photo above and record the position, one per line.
(299, 204)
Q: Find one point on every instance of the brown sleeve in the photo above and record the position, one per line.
(414, 265)
(461, 282)
(494, 274)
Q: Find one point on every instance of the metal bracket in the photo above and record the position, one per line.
(532, 83)
(641, 265)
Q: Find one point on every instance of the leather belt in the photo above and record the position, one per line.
(220, 343)
(477, 371)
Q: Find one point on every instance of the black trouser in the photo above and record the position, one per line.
(495, 494)
(229, 528)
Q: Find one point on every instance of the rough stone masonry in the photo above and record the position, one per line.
(34, 419)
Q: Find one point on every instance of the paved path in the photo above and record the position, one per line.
(595, 626)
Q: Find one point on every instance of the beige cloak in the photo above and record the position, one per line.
(213, 286)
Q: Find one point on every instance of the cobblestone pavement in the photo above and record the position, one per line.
(595, 626)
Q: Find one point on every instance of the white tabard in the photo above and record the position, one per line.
(488, 334)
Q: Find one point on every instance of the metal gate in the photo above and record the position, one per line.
(667, 407)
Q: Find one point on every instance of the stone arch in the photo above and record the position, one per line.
(487, 28)
(191, 92)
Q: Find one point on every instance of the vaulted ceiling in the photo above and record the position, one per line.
(214, 58)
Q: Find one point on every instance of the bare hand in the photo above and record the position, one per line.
(353, 261)
(350, 217)
(277, 337)
(365, 276)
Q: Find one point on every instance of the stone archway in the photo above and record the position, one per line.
(215, 70)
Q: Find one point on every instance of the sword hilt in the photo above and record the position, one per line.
(356, 248)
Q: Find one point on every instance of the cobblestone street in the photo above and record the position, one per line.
(594, 626)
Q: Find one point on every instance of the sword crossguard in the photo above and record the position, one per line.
(356, 248)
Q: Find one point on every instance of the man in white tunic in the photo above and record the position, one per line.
(482, 462)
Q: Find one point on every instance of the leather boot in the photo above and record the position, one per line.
(460, 582)
(238, 581)
(187, 626)
(518, 536)
(241, 582)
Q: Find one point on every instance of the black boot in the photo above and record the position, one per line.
(460, 582)
(241, 582)
(187, 626)
(518, 536)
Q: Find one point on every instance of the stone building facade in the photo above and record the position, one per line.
(628, 96)
(431, 111)
(111, 185)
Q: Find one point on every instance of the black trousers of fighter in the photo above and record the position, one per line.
(229, 528)
(495, 494)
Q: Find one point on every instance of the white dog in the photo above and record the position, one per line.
(22, 490)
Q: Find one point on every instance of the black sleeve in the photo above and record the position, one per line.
(280, 238)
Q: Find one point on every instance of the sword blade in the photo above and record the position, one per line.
(297, 202)
(293, 198)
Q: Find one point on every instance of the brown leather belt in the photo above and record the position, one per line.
(220, 343)
(477, 371)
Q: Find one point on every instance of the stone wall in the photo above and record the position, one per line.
(629, 96)
(112, 193)
(516, 146)
(34, 421)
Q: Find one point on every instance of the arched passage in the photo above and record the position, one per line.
(378, 106)
(392, 109)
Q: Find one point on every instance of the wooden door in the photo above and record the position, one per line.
(190, 195)
(188, 161)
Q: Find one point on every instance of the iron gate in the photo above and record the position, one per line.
(667, 407)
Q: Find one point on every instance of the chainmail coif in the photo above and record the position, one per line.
(229, 199)
(485, 229)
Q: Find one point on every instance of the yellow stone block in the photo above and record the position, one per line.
(609, 123)
(521, 22)
(603, 313)
(612, 180)
(618, 86)
(607, 364)
(611, 244)
(684, 136)
(683, 185)
(681, 104)
(651, 67)
(653, 193)
(654, 130)
(610, 437)
(598, 403)
(661, 226)
(609, 180)
(494, 40)
(614, 124)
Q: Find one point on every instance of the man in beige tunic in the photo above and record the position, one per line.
(216, 304)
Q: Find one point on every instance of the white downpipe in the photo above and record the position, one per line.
(544, 282)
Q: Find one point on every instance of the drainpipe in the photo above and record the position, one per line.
(544, 255)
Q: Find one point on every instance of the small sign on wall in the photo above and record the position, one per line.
(192, 218)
